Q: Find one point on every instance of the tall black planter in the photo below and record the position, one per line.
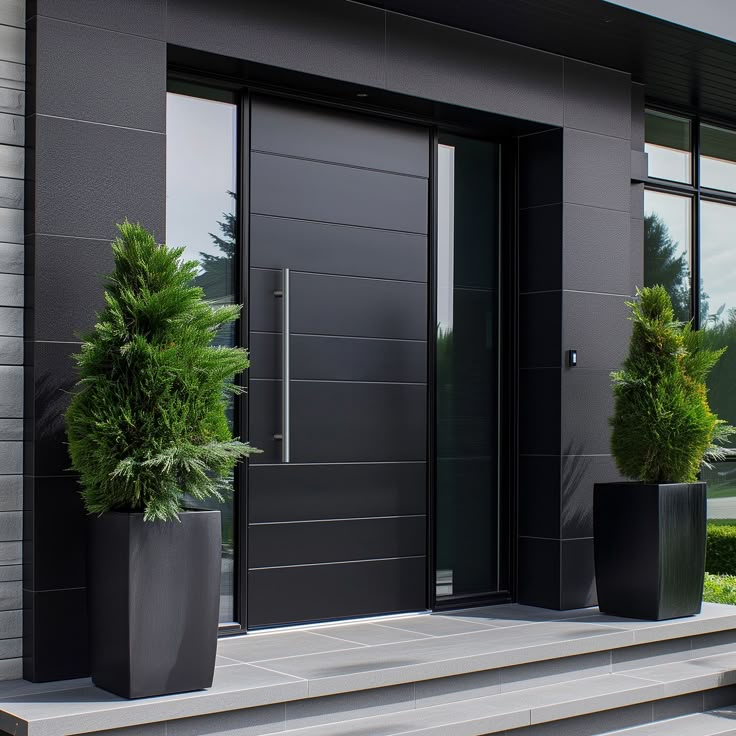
(154, 591)
(649, 548)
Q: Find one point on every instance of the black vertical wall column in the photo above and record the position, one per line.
(577, 270)
(96, 154)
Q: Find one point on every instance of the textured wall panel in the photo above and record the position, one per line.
(440, 63)
(597, 99)
(85, 90)
(330, 38)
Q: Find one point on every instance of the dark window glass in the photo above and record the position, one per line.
(467, 372)
(667, 247)
(200, 216)
(668, 143)
(717, 158)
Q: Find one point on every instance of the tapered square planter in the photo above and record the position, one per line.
(649, 548)
(154, 591)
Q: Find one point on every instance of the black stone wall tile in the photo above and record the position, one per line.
(88, 177)
(139, 17)
(579, 474)
(597, 170)
(330, 38)
(105, 77)
(539, 411)
(637, 253)
(68, 285)
(539, 572)
(540, 328)
(637, 116)
(587, 403)
(540, 168)
(597, 99)
(539, 496)
(48, 384)
(595, 249)
(577, 574)
(540, 248)
(597, 326)
(440, 63)
(55, 635)
(54, 534)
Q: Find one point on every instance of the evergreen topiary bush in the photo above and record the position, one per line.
(663, 428)
(147, 423)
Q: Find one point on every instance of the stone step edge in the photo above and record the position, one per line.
(523, 708)
(719, 722)
(132, 713)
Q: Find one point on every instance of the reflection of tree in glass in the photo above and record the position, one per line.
(216, 277)
(663, 265)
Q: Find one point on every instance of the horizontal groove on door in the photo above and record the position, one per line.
(305, 245)
(336, 305)
(333, 541)
(354, 139)
(328, 592)
(340, 359)
(312, 190)
(301, 492)
(340, 421)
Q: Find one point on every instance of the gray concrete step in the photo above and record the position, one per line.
(721, 722)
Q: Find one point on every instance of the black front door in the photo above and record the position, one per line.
(337, 502)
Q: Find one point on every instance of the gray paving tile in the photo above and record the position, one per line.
(661, 652)
(349, 706)
(391, 664)
(461, 687)
(679, 706)
(434, 625)
(85, 709)
(691, 675)
(515, 614)
(592, 724)
(247, 722)
(699, 724)
(537, 674)
(369, 634)
(262, 647)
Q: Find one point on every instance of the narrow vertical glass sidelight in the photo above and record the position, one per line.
(201, 195)
(467, 489)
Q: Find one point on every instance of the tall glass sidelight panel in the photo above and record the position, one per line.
(667, 246)
(467, 489)
(669, 145)
(201, 191)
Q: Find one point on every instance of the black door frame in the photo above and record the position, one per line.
(508, 311)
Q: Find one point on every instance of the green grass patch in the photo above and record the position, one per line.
(720, 589)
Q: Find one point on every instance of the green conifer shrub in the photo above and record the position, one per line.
(663, 428)
(147, 424)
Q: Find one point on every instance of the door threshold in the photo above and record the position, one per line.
(331, 624)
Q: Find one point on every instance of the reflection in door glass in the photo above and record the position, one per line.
(200, 216)
(467, 367)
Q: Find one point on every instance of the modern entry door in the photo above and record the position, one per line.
(338, 322)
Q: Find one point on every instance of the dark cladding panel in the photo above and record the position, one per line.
(323, 592)
(311, 190)
(88, 177)
(440, 63)
(85, 90)
(276, 242)
(326, 135)
(275, 545)
(340, 358)
(340, 306)
(336, 491)
(331, 38)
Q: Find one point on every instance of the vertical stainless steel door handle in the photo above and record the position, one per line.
(285, 370)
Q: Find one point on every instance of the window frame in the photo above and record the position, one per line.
(697, 194)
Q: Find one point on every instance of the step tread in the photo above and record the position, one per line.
(263, 671)
(721, 722)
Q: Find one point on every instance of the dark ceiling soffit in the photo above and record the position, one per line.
(680, 67)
